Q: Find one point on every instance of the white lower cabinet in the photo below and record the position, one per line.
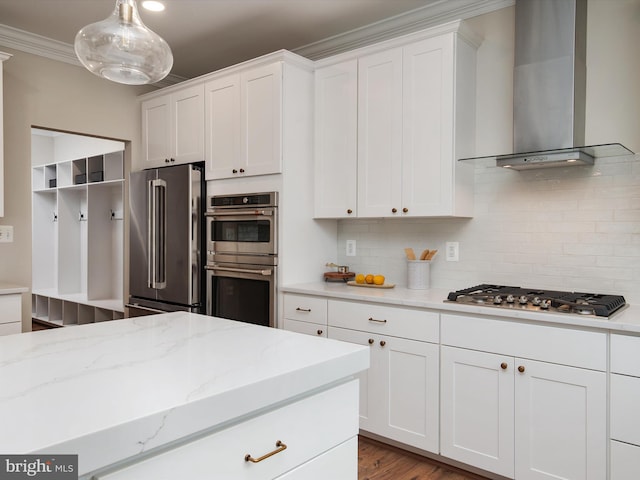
(400, 390)
(305, 314)
(624, 415)
(10, 314)
(305, 437)
(520, 417)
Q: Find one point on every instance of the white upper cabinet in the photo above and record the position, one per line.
(336, 145)
(243, 125)
(173, 128)
(380, 133)
(415, 117)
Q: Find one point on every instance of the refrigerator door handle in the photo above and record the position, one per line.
(157, 251)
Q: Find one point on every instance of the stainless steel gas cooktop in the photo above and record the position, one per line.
(517, 298)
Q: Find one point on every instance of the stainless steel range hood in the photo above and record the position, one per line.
(550, 88)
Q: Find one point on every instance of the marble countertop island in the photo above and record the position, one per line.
(109, 391)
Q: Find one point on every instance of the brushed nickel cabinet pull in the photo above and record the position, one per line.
(281, 446)
(298, 309)
(371, 319)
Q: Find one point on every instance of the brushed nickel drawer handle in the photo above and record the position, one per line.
(281, 446)
(298, 309)
(371, 319)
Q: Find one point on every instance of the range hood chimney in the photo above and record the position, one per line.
(550, 87)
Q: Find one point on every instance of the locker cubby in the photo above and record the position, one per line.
(79, 171)
(78, 240)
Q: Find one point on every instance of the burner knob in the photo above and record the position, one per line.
(536, 300)
(523, 300)
(510, 298)
(545, 304)
(497, 300)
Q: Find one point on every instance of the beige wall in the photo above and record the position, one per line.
(46, 93)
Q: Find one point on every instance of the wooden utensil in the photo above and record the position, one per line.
(424, 254)
(409, 253)
(432, 253)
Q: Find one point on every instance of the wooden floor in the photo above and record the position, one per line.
(377, 461)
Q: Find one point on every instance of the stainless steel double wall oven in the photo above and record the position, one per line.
(242, 257)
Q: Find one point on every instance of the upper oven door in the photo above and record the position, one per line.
(242, 231)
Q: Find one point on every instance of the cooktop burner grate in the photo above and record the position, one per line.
(539, 300)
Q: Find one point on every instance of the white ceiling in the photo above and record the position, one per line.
(206, 35)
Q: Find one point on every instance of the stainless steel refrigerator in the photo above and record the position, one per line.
(165, 240)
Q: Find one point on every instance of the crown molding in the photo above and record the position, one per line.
(436, 13)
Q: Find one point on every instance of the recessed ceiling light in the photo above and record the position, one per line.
(153, 5)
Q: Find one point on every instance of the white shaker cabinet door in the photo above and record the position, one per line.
(560, 422)
(156, 132)
(261, 119)
(336, 140)
(380, 134)
(188, 124)
(222, 124)
(477, 414)
(428, 111)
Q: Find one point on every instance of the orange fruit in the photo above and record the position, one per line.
(368, 278)
(378, 279)
(360, 278)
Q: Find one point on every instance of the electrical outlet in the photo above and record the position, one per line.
(452, 251)
(351, 248)
(6, 233)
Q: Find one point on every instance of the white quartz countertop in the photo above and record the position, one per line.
(111, 390)
(626, 320)
(9, 289)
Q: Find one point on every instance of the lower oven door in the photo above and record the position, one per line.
(243, 292)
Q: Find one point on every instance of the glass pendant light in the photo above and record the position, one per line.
(122, 49)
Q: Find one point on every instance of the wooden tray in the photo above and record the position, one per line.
(371, 285)
(338, 277)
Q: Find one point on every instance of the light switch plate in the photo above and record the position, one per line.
(6, 234)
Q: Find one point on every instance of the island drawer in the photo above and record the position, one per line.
(308, 428)
(307, 328)
(535, 341)
(625, 422)
(305, 308)
(625, 354)
(625, 461)
(415, 324)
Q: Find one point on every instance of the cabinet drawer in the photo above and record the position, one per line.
(625, 416)
(308, 428)
(340, 462)
(10, 328)
(10, 308)
(578, 348)
(305, 327)
(625, 461)
(625, 354)
(385, 320)
(305, 308)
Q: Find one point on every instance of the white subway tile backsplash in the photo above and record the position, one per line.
(575, 228)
